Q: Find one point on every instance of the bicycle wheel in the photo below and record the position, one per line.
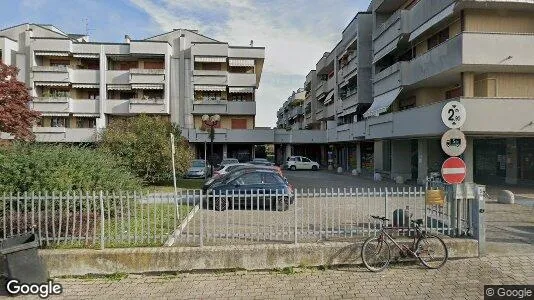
(375, 254)
(432, 251)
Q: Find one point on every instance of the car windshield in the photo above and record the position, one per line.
(198, 164)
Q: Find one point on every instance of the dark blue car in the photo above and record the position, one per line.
(255, 188)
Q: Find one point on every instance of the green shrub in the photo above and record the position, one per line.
(41, 167)
(144, 143)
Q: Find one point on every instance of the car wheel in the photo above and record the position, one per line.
(220, 204)
(314, 168)
(293, 168)
(282, 203)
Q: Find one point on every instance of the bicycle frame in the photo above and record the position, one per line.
(402, 248)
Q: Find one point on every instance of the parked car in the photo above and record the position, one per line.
(255, 188)
(238, 168)
(301, 163)
(261, 161)
(198, 169)
(228, 161)
(224, 169)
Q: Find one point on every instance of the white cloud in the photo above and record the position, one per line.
(295, 34)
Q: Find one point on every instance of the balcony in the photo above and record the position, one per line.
(330, 111)
(147, 76)
(296, 111)
(50, 74)
(388, 34)
(344, 133)
(425, 14)
(389, 78)
(118, 77)
(143, 106)
(320, 114)
(50, 104)
(348, 104)
(347, 71)
(52, 45)
(320, 89)
(241, 79)
(62, 134)
(330, 84)
(117, 107)
(84, 76)
(220, 79)
(209, 73)
(84, 106)
(209, 49)
(224, 107)
(142, 47)
(246, 52)
(500, 49)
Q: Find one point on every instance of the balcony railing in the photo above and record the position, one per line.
(59, 68)
(147, 71)
(58, 99)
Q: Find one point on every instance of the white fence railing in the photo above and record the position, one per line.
(190, 218)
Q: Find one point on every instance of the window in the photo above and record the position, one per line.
(407, 103)
(246, 70)
(85, 122)
(240, 97)
(59, 62)
(208, 95)
(127, 65)
(438, 38)
(239, 123)
(214, 66)
(154, 65)
(59, 122)
(152, 94)
(249, 179)
(453, 93)
(271, 179)
(93, 95)
(304, 159)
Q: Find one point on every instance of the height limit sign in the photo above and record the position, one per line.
(453, 114)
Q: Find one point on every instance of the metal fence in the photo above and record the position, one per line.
(189, 218)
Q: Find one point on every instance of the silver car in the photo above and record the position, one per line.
(198, 169)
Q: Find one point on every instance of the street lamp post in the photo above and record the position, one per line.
(211, 122)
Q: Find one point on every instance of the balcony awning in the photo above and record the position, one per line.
(51, 53)
(448, 11)
(210, 88)
(86, 55)
(46, 83)
(249, 90)
(53, 114)
(216, 59)
(386, 50)
(381, 103)
(241, 62)
(85, 86)
(329, 98)
(86, 115)
(147, 86)
(119, 87)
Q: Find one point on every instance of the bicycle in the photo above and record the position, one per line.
(429, 249)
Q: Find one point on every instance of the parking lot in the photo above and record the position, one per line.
(328, 179)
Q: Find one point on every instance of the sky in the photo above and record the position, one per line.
(294, 33)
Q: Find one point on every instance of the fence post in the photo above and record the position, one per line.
(295, 205)
(201, 241)
(386, 203)
(101, 221)
(478, 215)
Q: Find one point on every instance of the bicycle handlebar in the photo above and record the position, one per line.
(380, 218)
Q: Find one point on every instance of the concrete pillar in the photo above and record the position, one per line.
(287, 153)
(512, 160)
(101, 120)
(253, 152)
(468, 158)
(323, 155)
(225, 151)
(469, 84)
(378, 156)
(422, 160)
(401, 151)
(358, 158)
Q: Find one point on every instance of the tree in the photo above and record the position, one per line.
(16, 117)
(144, 142)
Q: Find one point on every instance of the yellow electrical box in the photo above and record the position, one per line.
(435, 197)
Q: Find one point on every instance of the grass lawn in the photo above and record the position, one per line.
(181, 183)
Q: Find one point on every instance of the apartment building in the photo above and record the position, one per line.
(425, 53)
(81, 86)
(291, 114)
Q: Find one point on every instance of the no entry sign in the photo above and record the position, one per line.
(453, 170)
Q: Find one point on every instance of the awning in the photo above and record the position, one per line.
(212, 88)
(210, 59)
(386, 50)
(85, 86)
(248, 90)
(43, 83)
(329, 98)
(51, 53)
(382, 102)
(53, 114)
(86, 115)
(119, 87)
(147, 86)
(86, 55)
(241, 62)
(448, 11)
